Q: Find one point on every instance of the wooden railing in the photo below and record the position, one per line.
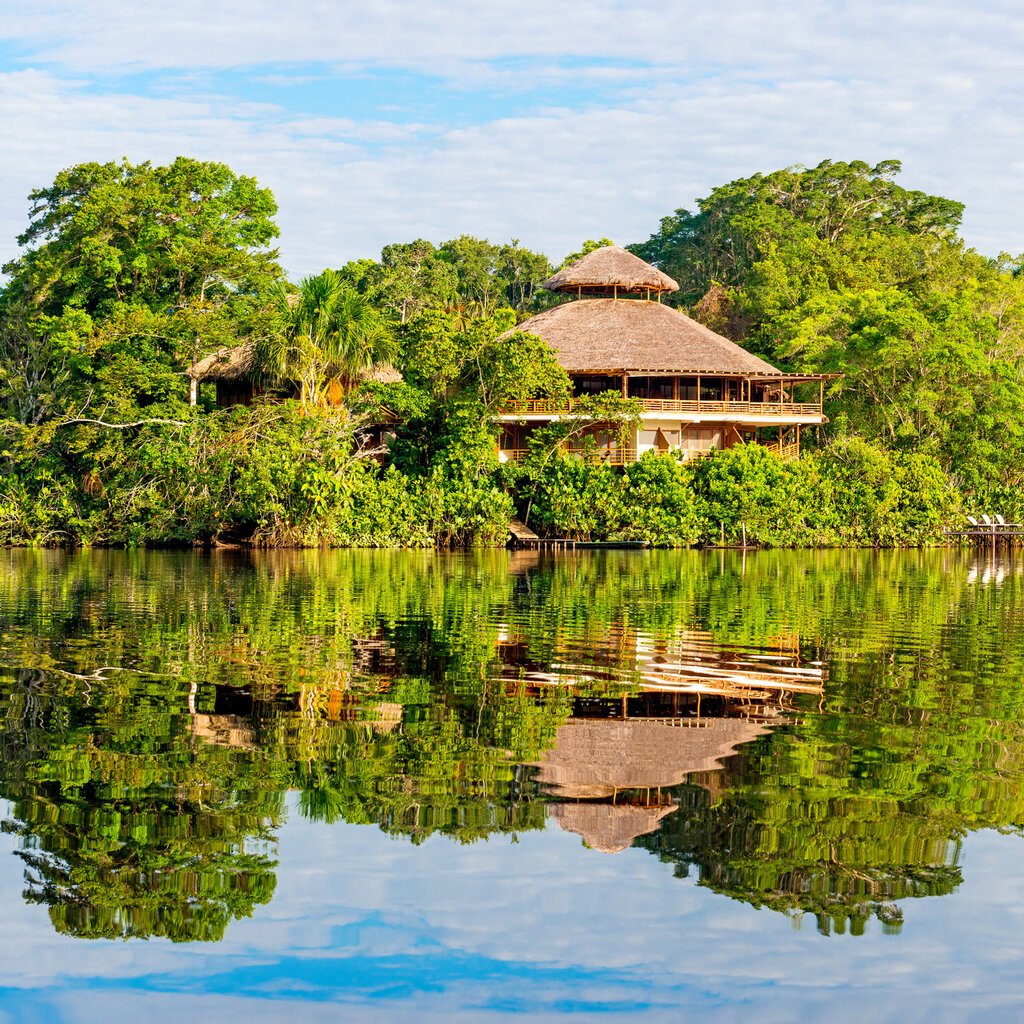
(726, 407)
(784, 451)
(609, 456)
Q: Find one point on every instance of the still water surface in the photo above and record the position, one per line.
(382, 785)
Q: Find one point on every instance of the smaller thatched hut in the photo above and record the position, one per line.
(233, 370)
(235, 373)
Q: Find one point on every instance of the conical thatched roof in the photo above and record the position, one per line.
(610, 267)
(637, 336)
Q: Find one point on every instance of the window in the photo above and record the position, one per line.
(593, 384)
(702, 439)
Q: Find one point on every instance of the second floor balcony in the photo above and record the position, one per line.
(725, 408)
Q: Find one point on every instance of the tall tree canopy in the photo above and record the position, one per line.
(106, 234)
(741, 223)
(327, 335)
(838, 269)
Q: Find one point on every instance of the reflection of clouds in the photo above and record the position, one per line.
(445, 928)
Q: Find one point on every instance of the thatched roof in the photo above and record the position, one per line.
(238, 363)
(381, 373)
(610, 267)
(610, 828)
(592, 759)
(636, 335)
(226, 364)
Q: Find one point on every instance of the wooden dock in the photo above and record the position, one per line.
(521, 536)
(991, 531)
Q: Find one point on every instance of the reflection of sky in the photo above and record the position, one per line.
(544, 926)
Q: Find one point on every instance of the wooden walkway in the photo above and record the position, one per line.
(521, 536)
(991, 530)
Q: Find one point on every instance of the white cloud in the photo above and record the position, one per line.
(735, 88)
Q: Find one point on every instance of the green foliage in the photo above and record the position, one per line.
(836, 269)
(159, 706)
(133, 272)
(588, 247)
(104, 235)
(327, 334)
(465, 277)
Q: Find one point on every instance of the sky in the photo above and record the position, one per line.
(384, 121)
(368, 927)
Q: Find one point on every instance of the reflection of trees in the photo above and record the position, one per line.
(411, 690)
(130, 826)
(840, 860)
(863, 804)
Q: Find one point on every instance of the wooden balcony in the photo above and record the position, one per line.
(613, 456)
(609, 456)
(731, 409)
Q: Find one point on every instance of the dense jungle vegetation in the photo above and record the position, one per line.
(130, 273)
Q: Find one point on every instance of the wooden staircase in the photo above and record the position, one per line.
(520, 535)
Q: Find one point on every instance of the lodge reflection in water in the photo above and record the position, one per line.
(147, 798)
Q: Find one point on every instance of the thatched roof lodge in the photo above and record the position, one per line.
(699, 390)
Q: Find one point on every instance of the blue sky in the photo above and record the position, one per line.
(365, 926)
(551, 123)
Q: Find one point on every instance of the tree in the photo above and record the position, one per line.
(330, 333)
(837, 269)
(107, 234)
(588, 247)
(742, 222)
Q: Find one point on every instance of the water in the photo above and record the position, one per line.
(375, 785)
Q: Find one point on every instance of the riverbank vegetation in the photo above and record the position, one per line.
(131, 273)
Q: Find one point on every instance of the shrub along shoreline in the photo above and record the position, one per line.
(274, 476)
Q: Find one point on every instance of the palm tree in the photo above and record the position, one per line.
(330, 334)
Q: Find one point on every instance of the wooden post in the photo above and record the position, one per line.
(625, 389)
(744, 535)
(721, 524)
(698, 392)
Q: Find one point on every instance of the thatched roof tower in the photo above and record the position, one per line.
(606, 827)
(610, 269)
(615, 327)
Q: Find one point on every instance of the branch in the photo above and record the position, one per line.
(124, 426)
